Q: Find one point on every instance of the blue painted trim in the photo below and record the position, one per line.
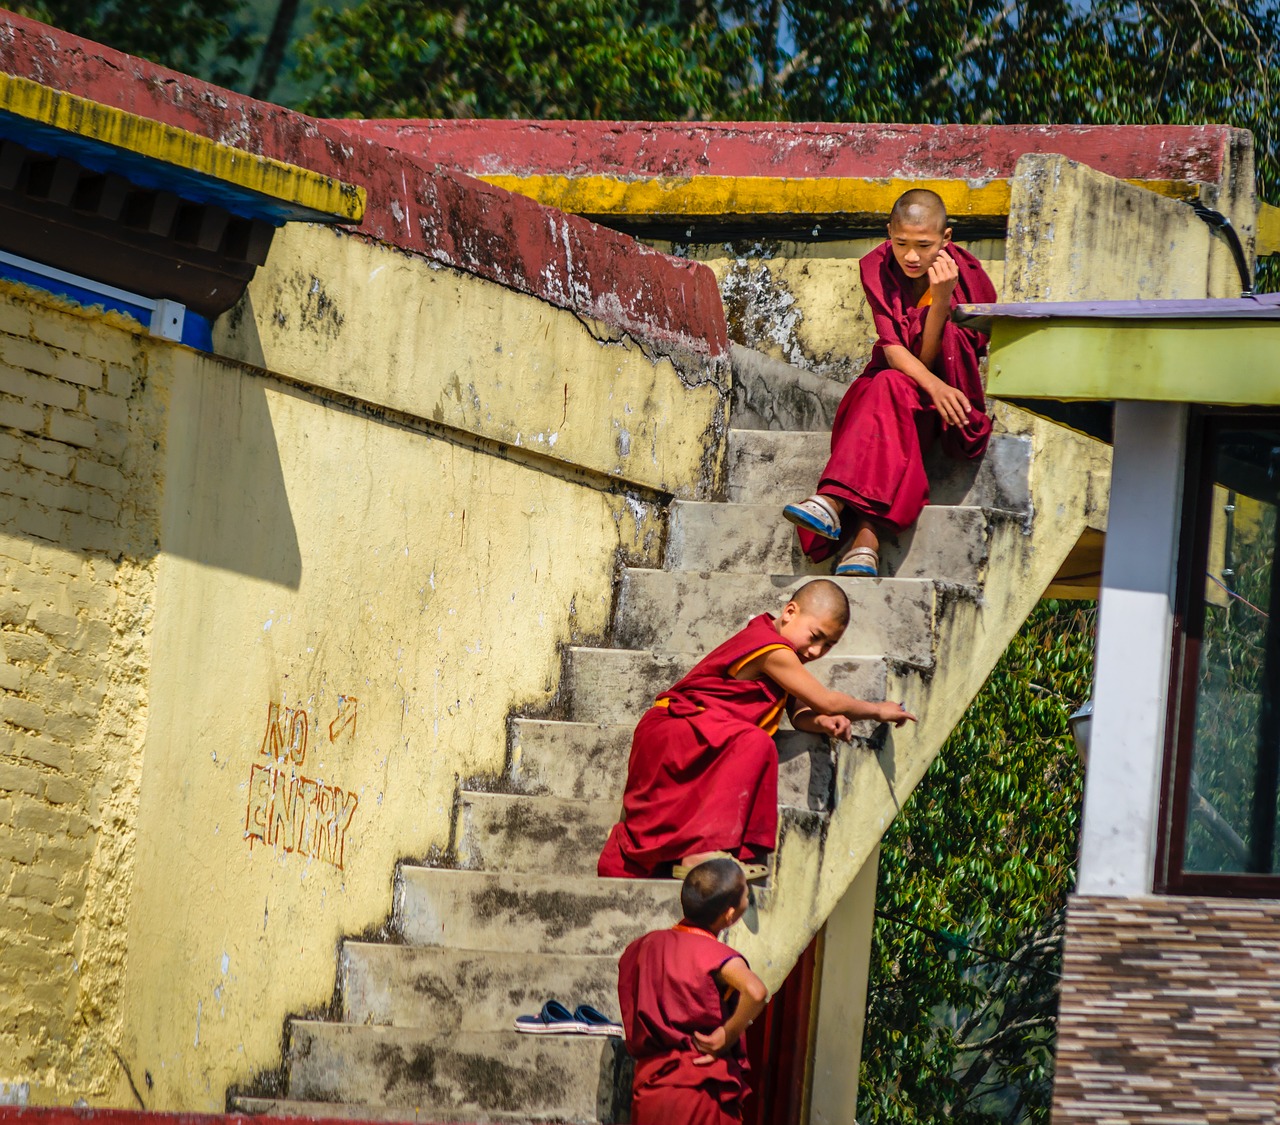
(197, 331)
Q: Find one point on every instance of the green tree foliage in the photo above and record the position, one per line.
(500, 58)
(974, 876)
(208, 38)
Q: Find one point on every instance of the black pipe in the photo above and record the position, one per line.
(1222, 225)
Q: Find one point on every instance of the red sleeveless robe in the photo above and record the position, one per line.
(886, 423)
(667, 991)
(703, 772)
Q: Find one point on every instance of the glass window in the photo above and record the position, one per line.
(1221, 813)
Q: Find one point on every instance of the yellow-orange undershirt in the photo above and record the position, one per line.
(769, 723)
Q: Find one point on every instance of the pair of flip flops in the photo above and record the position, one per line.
(752, 872)
(819, 516)
(556, 1019)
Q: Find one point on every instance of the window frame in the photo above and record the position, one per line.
(1204, 424)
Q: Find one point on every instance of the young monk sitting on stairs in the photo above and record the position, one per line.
(921, 383)
(702, 780)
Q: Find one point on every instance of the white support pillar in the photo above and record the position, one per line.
(1131, 666)
(842, 1000)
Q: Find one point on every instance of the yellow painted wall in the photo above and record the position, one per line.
(317, 613)
(78, 526)
(802, 302)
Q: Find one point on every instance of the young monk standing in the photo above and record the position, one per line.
(686, 998)
(702, 779)
(921, 383)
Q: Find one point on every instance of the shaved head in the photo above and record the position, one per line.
(823, 598)
(919, 207)
(710, 889)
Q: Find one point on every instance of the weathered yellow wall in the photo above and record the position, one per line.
(78, 526)
(802, 302)
(315, 619)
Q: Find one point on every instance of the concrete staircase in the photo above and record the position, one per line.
(424, 1029)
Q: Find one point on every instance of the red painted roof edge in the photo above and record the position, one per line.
(412, 204)
(637, 149)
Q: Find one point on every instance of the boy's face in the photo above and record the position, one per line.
(916, 245)
(810, 634)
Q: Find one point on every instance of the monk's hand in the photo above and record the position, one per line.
(834, 726)
(943, 275)
(713, 1046)
(894, 713)
(953, 406)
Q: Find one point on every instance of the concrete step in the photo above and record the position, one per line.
(769, 394)
(693, 611)
(328, 1111)
(618, 685)
(947, 543)
(777, 467)
(588, 761)
(585, 761)
(530, 913)
(466, 1076)
(461, 990)
(353, 1111)
(515, 832)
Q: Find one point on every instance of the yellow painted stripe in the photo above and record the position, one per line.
(713, 196)
(1268, 229)
(168, 144)
(1220, 362)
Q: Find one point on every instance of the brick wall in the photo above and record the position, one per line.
(77, 538)
(1170, 1012)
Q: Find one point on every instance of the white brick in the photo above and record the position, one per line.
(74, 431)
(120, 380)
(58, 464)
(107, 407)
(21, 416)
(37, 521)
(101, 506)
(88, 534)
(38, 388)
(99, 475)
(51, 361)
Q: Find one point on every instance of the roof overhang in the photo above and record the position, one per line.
(1217, 352)
(142, 205)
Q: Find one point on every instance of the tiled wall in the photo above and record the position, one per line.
(1170, 1012)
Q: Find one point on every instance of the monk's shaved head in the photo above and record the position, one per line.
(823, 598)
(919, 207)
(710, 889)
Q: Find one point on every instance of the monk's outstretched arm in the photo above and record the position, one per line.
(752, 997)
(783, 666)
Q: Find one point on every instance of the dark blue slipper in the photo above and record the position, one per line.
(595, 1022)
(554, 1019)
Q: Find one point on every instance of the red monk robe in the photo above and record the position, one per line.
(885, 423)
(667, 990)
(703, 772)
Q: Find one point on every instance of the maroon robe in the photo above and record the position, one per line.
(666, 991)
(886, 423)
(703, 772)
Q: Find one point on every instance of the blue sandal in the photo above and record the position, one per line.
(816, 514)
(596, 1022)
(554, 1019)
